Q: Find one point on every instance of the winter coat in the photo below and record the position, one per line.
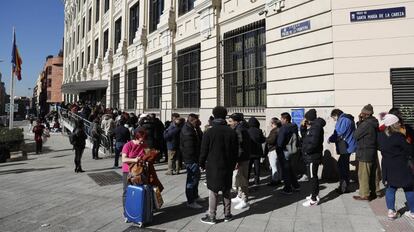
(219, 154)
(108, 124)
(312, 141)
(285, 133)
(366, 137)
(95, 131)
(271, 139)
(38, 132)
(395, 151)
(79, 138)
(172, 137)
(244, 141)
(256, 137)
(344, 129)
(190, 143)
(149, 126)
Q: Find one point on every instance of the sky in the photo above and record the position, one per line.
(39, 28)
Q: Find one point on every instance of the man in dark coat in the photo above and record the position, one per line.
(256, 151)
(366, 154)
(190, 143)
(122, 136)
(219, 153)
(312, 148)
(286, 132)
(237, 122)
(79, 142)
(172, 137)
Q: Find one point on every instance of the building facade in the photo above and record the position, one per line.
(3, 96)
(259, 57)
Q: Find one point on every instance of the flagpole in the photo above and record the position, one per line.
(11, 117)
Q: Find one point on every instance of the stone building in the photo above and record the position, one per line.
(259, 57)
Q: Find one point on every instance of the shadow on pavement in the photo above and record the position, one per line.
(12, 164)
(23, 170)
(175, 212)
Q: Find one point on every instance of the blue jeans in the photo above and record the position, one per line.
(191, 185)
(390, 197)
(118, 150)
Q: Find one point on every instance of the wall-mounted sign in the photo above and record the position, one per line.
(379, 14)
(297, 116)
(295, 28)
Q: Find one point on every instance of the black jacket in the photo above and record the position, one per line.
(285, 133)
(312, 141)
(190, 143)
(366, 137)
(79, 138)
(395, 151)
(244, 141)
(122, 134)
(149, 125)
(257, 138)
(219, 154)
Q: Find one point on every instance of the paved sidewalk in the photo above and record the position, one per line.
(44, 194)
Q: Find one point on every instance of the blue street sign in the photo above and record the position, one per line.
(379, 14)
(298, 115)
(295, 28)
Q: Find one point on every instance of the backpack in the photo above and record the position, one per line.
(292, 146)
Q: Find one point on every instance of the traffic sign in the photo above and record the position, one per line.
(16, 107)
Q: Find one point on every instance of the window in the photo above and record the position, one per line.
(77, 38)
(82, 59)
(49, 70)
(77, 63)
(83, 27)
(89, 55)
(49, 82)
(188, 78)
(115, 91)
(133, 21)
(49, 95)
(118, 28)
(244, 66)
(96, 48)
(73, 40)
(402, 81)
(90, 19)
(156, 8)
(154, 84)
(132, 89)
(106, 42)
(98, 6)
(106, 5)
(185, 6)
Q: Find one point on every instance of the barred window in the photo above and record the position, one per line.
(106, 41)
(115, 91)
(154, 84)
(118, 31)
(133, 21)
(185, 6)
(156, 8)
(188, 77)
(132, 89)
(245, 66)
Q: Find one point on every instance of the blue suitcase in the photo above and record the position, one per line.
(138, 204)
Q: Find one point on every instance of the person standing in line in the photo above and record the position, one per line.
(219, 154)
(345, 143)
(79, 142)
(240, 126)
(172, 136)
(96, 132)
(257, 138)
(271, 141)
(108, 125)
(312, 148)
(38, 133)
(396, 173)
(366, 154)
(190, 143)
(286, 134)
(122, 136)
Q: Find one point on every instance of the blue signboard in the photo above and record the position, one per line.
(295, 28)
(297, 116)
(379, 14)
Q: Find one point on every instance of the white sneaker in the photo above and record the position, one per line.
(310, 196)
(409, 214)
(194, 205)
(309, 203)
(242, 205)
(304, 178)
(236, 200)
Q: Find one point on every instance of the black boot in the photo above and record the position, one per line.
(76, 169)
(80, 169)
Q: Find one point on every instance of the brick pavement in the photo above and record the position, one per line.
(44, 194)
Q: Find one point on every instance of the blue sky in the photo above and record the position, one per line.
(39, 32)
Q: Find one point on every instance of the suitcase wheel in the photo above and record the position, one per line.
(139, 224)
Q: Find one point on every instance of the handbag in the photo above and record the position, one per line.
(158, 201)
(138, 173)
(342, 146)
